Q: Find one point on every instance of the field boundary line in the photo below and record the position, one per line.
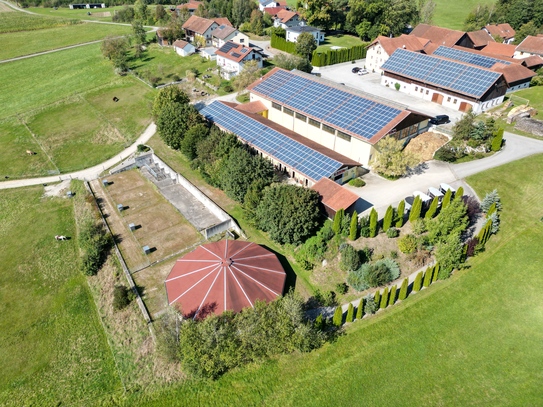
(38, 143)
(37, 54)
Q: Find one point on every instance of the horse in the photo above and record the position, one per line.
(30, 152)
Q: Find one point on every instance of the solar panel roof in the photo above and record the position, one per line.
(465, 79)
(468, 57)
(345, 111)
(299, 157)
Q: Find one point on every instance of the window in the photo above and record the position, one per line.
(276, 106)
(301, 117)
(242, 40)
(314, 123)
(288, 111)
(448, 99)
(416, 88)
(454, 101)
(427, 92)
(328, 129)
(343, 136)
(420, 90)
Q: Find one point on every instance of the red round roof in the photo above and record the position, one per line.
(224, 275)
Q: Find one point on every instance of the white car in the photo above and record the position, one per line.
(363, 72)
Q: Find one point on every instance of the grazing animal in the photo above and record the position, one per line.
(30, 152)
(61, 237)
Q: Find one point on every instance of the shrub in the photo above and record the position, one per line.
(392, 295)
(416, 209)
(403, 289)
(377, 298)
(364, 226)
(350, 313)
(338, 218)
(120, 297)
(360, 309)
(392, 233)
(95, 243)
(419, 226)
(432, 210)
(320, 323)
(400, 213)
(228, 88)
(373, 275)
(345, 225)
(489, 199)
(142, 148)
(407, 244)
(350, 259)
(337, 319)
(341, 288)
(449, 254)
(446, 199)
(353, 229)
(397, 86)
(427, 280)
(357, 182)
(387, 220)
(497, 140)
(374, 224)
(384, 298)
(369, 304)
(446, 153)
(418, 282)
(325, 299)
(393, 254)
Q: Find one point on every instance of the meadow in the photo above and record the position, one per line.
(339, 40)
(12, 21)
(452, 14)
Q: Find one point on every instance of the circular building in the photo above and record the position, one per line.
(224, 275)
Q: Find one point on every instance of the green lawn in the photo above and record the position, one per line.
(11, 21)
(65, 12)
(340, 40)
(473, 340)
(28, 42)
(52, 345)
(451, 14)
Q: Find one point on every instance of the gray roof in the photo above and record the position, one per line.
(303, 29)
(223, 32)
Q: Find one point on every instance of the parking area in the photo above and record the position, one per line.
(371, 84)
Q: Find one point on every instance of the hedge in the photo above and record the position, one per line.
(282, 44)
(337, 56)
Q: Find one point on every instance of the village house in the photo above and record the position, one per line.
(199, 30)
(286, 19)
(382, 48)
(294, 32)
(191, 6)
(231, 58)
(503, 30)
(264, 4)
(226, 33)
(183, 48)
(529, 46)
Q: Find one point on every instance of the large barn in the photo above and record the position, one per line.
(224, 275)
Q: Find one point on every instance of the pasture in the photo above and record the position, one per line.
(452, 14)
(339, 40)
(471, 340)
(52, 345)
(11, 21)
(101, 14)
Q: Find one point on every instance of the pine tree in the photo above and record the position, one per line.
(384, 298)
(350, 313)
(418, 282)
(374, 224)
(427, 280)
(491, 210)
(433, 208)
(337, 319)
(459, 193)
(446, 199)
(403, 289)
(436, 272)
(387, 220)
(416, 208)
(377, 297)
(392, 295)
(353, 230)
(399, 214)
(360, 309)
(338, 218)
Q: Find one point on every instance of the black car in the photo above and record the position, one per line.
(440, 119)
(356, 69)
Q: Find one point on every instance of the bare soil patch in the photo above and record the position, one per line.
(425, 145)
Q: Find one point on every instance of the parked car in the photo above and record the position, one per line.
(409, 202)
(363, 72)
(440, 119)
(356, 69)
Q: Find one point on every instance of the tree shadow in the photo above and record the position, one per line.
(290, 281)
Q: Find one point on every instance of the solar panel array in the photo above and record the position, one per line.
(469, 80)
(337, 108)
(299, 157)
(468, 57)
(227, 47)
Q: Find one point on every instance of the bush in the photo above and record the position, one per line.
(384, 298)
(350, 313)
(400, 214)
(392, 233)
(337, 319)
(357, 182)
(373, 275)
(350, 259)
(142, 148)
(326, 299)
(392, 295)
(374, 223)
(397, 86)
(364, 224)
(360, 309)
(393, 254)
(418, 282)
(446, 153)
(369, 304)
(331, 57)
(95, 243)
(407, 244)
(403, 289)
(419, 226)
(387, 220)
(120, 297)
(228, 88)
(342, 288)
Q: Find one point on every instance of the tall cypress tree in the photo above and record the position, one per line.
(446, 199)
(433, 208)
(416, 209)
(418, 282)
(387, 220)
(392, 295)
(384, 298)
(436, 272)
(403, 289)
(459, 193)
(427, 277)
(353, 230)
(350, 313)
(337, 319)
(338, 220)
(360, 309)
(399, 214)
(374, 223)
(377, 297)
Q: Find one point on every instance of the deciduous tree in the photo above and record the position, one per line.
(391, 160)
(305, 45)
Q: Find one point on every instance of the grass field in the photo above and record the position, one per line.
(473, 340)
(103, 14)
(52, 346)
(11, 21)
(340, 40)
(28, 42)
(451, 14)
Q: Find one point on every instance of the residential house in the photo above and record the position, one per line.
(191, 6)
(529, 46)
(286, 19)
(382, 48)
(439, 36)
(264, 4)
(161, 40)
(183, 48)
(503, 30)
(500, 49)
(294, 32)
(199, 30)
(231, 58)
(479, 39)
(226, 33)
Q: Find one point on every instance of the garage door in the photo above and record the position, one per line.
(464, 107)
(437, 98)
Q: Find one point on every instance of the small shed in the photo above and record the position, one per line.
(209, 53)
(335, 197)
(183, 48)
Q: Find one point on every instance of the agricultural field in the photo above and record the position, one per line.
(99, 14)
(451, 14)
(21, 43)
(52, 345)
(12, 21)
(439, 347)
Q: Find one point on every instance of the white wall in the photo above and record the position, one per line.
(376, 56)
(293, 36)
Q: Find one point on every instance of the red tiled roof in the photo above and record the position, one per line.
(390, 45)
(191, 5)
(223, 31)
(198, 24)
(480, 38)
(333, 195)
(273, 11)
(180, 44)
(532, 61)
(514, 73)
(236, 52)
(504, 30)
(438, 35)
(500, 49)
(254, 107)
(532, 45)
(224, 275)
(286, 15)
(223, 21)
